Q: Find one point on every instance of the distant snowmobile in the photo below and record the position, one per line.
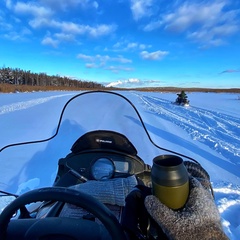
(182, 99)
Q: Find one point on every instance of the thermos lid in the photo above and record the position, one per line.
(169, 170)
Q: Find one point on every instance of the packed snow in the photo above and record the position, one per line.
(208, 130)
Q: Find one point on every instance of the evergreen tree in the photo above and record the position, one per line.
(16, 76)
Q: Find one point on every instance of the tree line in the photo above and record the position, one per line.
(17, 76)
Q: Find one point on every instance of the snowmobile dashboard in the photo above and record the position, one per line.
(100, 155)
(98, 165)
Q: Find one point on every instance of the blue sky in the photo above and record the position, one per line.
(125, 43)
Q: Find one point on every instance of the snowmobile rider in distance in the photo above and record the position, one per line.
(145, 216)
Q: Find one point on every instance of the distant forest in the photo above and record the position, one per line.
(18, 77)
(17, 80)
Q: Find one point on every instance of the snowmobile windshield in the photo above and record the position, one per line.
(33, 162)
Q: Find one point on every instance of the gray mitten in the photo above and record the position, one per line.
(199, 219)
(112, 191)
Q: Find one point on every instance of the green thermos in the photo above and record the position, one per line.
(170, 180)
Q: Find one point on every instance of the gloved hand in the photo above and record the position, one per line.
(112, 191)
(199, 219)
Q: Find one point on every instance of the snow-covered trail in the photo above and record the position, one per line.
(17, 106)
(216, 130)
(209, 131)
(219, 132)
(18, 114)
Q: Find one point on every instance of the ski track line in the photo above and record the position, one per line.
(199, 124)
(27, 104)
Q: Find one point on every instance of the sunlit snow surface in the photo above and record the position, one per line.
(207, 130)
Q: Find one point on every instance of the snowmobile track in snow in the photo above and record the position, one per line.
(198, 123)
(27, 104)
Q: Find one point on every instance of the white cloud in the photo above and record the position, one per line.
(32, 9)
(230, 71)
(65, 5)
(4, 25)
(153, 25)
(132, 45)
(100, 30)
(117, 69)
(65, 37)
(225, 29)
(40, 22)
(25, 31)
(74, 28)
(86, 57)
(8, 4)
(114, 84)
(204, 22)
(21, 35)
(158, 55)
(194, 14)
(71, 27)
(103, 59)
(134, 83)
(141, 8)
(206, 38)
(91, 65)
(125, 45)
(95, 4)
(42, 14)
(121, 59)
(131, 82)
(12, 36)
(49, 41)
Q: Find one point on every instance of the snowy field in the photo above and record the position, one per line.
(208, 131)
